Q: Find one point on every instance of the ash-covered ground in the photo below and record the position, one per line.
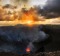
(16, 39)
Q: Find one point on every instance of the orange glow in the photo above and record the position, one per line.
(26, 17)
(30, 17)
(28, 50)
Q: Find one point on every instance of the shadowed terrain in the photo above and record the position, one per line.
(13, 44)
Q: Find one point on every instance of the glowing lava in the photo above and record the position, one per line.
(28, 50)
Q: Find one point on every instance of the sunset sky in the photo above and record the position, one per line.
(31, 3)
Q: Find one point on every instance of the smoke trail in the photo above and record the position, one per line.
(38, 37)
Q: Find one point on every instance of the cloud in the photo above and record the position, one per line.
(51, 9)
(53, 5)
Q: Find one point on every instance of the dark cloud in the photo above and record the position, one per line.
(51, 9)
(53, 5)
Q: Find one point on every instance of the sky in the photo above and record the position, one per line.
(3, 2)
(30, 2)
(53, 5)
(38, 2)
